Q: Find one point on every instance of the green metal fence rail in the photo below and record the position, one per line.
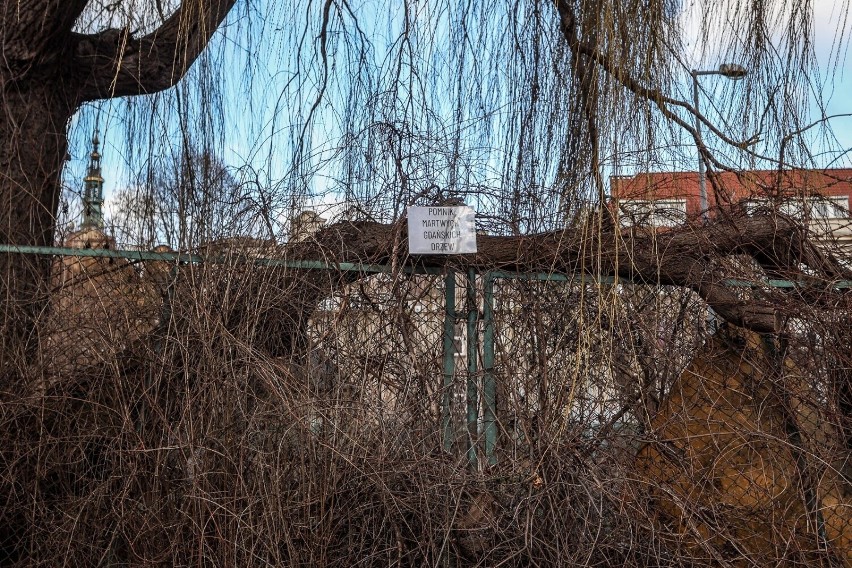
(190, 258)
(489, 381)
(472, 355)
(181, 257)
(449, 358)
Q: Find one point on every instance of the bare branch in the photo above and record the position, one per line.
(115, 64)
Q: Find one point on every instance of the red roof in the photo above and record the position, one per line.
(732, 187)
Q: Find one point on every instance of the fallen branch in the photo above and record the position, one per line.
(689, 257)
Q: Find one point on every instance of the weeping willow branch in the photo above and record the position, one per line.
(582, 50)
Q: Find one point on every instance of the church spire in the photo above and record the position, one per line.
(93, 190)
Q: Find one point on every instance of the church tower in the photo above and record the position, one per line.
(93, 191)
(90, 233)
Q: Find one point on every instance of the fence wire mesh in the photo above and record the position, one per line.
(563, 397)
(236, 414)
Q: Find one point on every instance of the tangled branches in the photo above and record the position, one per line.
(245, 414)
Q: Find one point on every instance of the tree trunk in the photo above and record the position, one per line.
(47, 71)
(697, 257)
(32, 152)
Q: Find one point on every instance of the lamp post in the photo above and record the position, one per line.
(731, 71)
(734, 72)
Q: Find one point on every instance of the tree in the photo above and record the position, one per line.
(48, 71)
(577, 83)
(195, 442)
(184, 205)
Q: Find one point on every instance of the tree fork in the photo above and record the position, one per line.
(46, 73)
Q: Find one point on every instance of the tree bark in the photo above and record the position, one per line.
(46, 72)
(32, 153)
(115, 64)
(694, 257)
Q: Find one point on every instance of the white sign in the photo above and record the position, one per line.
(441, 230)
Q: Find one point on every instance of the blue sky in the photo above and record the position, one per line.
(259, 121)
(832, 80)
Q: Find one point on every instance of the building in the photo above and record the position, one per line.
(820, 198)
(90, 234)
(305, 225)
(99, 305)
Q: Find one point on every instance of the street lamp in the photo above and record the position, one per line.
(731, 71)
(734, 72)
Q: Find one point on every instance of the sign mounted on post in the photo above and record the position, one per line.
(441, 230)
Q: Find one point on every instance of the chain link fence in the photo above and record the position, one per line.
(249, 413)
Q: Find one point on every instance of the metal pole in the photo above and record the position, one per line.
(472, 387)
(702, 175)
(449, 357)
(702, 181)
(489, 386)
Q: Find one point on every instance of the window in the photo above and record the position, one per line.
(757, 205)
(794, 208)
(818, 207)
(836, 207)
(657, 213)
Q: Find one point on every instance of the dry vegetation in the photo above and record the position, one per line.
(231, 413)
(235, 429)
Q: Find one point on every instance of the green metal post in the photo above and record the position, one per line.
(489, 384)
(472, 390)
(449, 357)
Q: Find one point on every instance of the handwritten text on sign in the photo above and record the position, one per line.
(441, 230)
